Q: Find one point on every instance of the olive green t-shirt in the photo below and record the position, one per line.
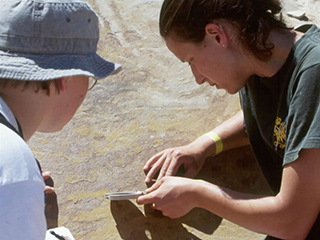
(282, 113)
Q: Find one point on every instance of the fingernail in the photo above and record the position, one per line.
(147, 180)
(49, 190)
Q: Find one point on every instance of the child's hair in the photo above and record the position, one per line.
(253, 20)
(43, 85)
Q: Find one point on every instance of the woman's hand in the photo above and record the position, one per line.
(191, 156)
(174, 196)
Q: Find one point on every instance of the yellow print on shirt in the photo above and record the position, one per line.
(280, 133)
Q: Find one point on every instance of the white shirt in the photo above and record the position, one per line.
(21, 186)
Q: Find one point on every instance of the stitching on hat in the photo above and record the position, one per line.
(37, 17)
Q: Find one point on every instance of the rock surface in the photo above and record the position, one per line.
(154, 103)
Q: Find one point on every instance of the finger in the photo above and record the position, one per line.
(155, 168)
(154, 187)
(164, 168)
(46, 175)
(150, 196)
(173, 168)
(152, 160)
(48, 190)
(145, 199)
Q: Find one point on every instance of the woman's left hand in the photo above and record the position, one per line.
(174, 196)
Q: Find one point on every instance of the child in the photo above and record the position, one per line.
(47, 55)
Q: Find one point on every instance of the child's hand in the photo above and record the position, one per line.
(48, 189)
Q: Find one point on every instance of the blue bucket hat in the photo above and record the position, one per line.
(47, 39)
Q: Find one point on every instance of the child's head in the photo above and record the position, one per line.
(48, 46)
(46, 40)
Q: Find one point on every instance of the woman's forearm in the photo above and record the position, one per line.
(231, 132)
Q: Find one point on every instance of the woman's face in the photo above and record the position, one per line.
(211, 61)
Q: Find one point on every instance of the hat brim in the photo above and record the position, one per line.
(44, 67)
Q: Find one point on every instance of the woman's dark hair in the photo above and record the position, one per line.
(44, 85)
(253, 18)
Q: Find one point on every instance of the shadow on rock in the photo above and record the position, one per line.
(235, 169)
(51, 207)
(133, 224)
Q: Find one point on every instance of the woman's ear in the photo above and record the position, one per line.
(217, 33)
(62, 84)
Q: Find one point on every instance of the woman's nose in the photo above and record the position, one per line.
(198, 77)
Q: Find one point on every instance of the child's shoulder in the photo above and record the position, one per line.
(17, 162)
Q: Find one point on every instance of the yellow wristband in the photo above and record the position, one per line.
(217, 140)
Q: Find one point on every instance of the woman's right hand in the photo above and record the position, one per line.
(167, 162)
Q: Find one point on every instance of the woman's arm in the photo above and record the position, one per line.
(232, 132)
(288, 215)
(192, 156)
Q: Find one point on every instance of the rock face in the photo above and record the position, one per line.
(153, 104)
(311, 7)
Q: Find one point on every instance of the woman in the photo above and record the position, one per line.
(245, 47)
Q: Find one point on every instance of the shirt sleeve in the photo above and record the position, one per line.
(303, 123)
